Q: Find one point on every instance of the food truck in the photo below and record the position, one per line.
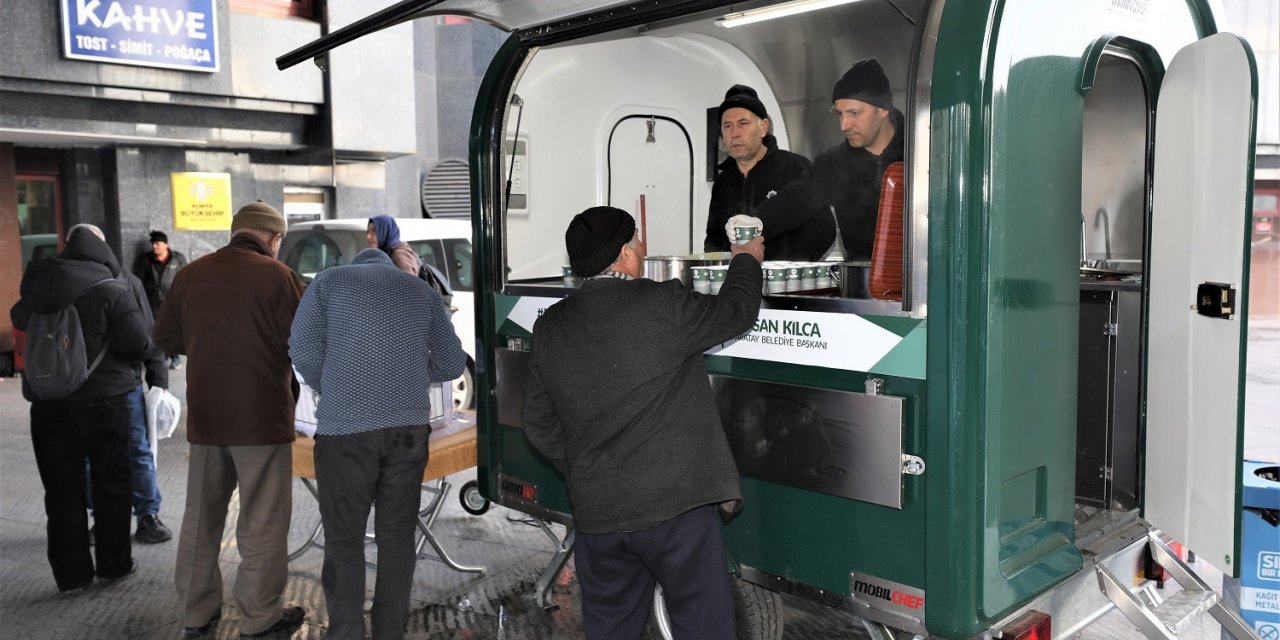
(1044, 403)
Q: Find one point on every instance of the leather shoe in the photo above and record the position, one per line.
(151, 530)
(291, 619)
(203, 630)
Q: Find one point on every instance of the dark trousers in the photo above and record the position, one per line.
(63, 435)
(617, 573)
(352, 472)
(146, 491)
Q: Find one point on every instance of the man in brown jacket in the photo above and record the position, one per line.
(230, 313)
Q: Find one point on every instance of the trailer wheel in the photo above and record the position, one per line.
(464, 396)
(473, 502)
(759, 613)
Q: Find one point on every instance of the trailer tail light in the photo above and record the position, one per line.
(1031, 626)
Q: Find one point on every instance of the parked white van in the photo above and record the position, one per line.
(312, 247)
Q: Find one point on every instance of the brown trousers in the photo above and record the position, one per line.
(264, 476)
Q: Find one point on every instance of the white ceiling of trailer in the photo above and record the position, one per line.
(510, 15)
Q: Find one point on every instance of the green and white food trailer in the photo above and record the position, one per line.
(1014, 444)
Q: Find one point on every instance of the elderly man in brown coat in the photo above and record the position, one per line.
(230, 312)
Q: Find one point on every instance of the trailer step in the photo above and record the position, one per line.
(1163, 619)
(1183, 607)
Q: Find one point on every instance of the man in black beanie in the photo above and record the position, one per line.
(617, 397)
(845, 179)
(755, 170)
(157, 269)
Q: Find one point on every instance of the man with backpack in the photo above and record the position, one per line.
(142, 464)
(85, 337)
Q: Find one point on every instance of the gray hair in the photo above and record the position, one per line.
(87, 227)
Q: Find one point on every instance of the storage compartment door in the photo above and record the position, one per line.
(1199, 235)
(651, 160)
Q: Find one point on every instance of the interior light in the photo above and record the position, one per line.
(776, 11)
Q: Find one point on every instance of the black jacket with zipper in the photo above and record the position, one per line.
(843, 178)
(734, 193)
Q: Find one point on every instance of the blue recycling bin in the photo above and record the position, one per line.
(1260, 548)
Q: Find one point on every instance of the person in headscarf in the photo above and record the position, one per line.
(384, 234)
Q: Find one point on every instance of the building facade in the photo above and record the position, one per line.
(105, 105)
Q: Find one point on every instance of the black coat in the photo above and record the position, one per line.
(843, 177)
(734, 193)
(618, 397)
(157, 278)
(107, 311)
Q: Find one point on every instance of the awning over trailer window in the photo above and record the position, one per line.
(507, 14)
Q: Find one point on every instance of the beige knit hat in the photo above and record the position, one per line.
(260, 216)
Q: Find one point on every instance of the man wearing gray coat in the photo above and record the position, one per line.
(618, 399)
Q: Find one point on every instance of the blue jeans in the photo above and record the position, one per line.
(142, 466)
(146, 492)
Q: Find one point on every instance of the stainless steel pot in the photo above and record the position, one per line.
(663, 268)
(853, 278)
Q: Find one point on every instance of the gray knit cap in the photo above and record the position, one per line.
(260, 216)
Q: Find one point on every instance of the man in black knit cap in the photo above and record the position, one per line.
(755, 171)
(845, 179)
(617, 397)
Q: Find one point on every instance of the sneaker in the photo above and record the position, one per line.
(151, 530)
(290, 620)
(133, 568)
(77, 590)
(203, 630)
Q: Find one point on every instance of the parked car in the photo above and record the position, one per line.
(312, 247)
(38, 246)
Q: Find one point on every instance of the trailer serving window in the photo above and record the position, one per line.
(629, 119)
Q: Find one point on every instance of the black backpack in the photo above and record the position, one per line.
(56, 362)
(438, 281)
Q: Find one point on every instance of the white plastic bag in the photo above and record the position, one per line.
(163, 411)
(304, 413)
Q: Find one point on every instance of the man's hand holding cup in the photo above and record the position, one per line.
(753, 247)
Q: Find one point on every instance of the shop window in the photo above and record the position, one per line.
(303, 204)
(39, 217)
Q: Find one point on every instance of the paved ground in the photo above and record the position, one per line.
(447, 605)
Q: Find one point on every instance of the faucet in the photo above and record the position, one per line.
(1084, 254)
(1106, 233)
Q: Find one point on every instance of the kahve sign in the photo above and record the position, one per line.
(173, 34)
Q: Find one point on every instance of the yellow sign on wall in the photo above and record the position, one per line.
(201, 201)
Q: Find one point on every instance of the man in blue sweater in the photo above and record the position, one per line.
(370, 339)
